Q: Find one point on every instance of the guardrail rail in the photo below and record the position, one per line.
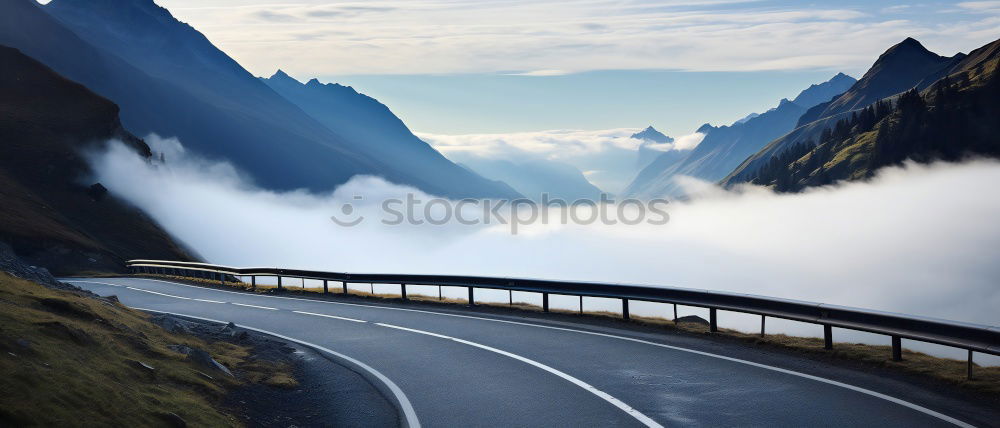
(971, 337)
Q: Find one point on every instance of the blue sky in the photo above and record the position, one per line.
(674, 102)
(449, 66)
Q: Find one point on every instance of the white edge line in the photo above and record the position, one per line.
(404, 403)
(645, 420)
(329, 316)
(859, 389)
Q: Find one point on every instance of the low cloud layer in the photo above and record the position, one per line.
(917, 239)
(609, 158)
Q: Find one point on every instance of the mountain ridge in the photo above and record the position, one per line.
(950, 119)
(211, 103)
(888, 73)
(724, 147)
(366, 121)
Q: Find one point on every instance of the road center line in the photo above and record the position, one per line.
(254, 306)
(861, 390)
(645, 420)
(329, 316)
(209, 301)
(157, 293)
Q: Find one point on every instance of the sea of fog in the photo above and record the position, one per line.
(916, 239)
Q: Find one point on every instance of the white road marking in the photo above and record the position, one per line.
(329, 316)
(254, 306)
(209, 301)
(405, 406)
(645, 420)
(861, 390)
(161, 294)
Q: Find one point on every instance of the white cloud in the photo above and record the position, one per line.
(315, 37)
(688, 142)
(981, 6)
(919, 239)
(541, 73)
(610, 156)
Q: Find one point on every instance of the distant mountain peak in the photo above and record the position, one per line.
(314, 82)
(651, 134)
(906, 51)
(280, 76)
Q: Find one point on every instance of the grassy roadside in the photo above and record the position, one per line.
(69, 359)
(985, 381)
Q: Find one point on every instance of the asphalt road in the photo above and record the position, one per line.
(464, 368)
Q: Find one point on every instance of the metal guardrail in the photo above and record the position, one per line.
(971, 337)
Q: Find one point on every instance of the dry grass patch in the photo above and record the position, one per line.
(67, 359)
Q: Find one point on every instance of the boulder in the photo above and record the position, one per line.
(693, 319)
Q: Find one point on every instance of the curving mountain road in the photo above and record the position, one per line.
(454, 367)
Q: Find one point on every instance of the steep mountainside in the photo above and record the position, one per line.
(897, 70)
(723, 148)
(371, 125)
(277, 156)
(169, 79)
(906, 65)
(953, 118)
(51, 216)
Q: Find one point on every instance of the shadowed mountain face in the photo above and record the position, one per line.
(952, 118)
(372, 126)
(902, 67)
(723, 148)
(51, 215)
(169, 79)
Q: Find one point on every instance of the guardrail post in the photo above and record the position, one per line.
(472, 301)
(545, 302)
(581, 305)
(968, 367)
(762, 325)
(343, 285)
(510, 297)
(222, 278)
(827, 337)
(625, 314)
(279, 282)
(713, 322)
(897, 348)
(440, 296)
(675, 313)
(326, 287)
(402, 290)
(253, 282)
